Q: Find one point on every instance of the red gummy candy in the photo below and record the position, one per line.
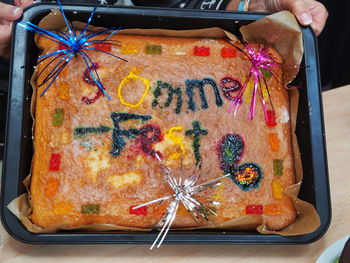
(254, 210)
(62, 46)
(201, 51)
(104, 47)
(228, 52)
(55, 161)
(138, 211)
(271, 118)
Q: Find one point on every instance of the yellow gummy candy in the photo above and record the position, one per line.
(62, 208)
(129, 49)
(265, 93)
(248, 92)
(219, 193)
(277, 190)
(63, 91)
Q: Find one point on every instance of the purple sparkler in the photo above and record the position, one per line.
(260, 59)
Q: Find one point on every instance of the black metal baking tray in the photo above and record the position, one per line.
(19, 147)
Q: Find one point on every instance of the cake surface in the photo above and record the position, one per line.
(95, 159)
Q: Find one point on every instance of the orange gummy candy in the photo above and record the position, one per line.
(274, 142)
(52, 187)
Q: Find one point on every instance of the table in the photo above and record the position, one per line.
(337, 122)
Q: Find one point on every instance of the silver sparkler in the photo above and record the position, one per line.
(184, 191)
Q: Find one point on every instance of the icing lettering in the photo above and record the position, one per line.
(196, 132)
(118, 133)
(171, 92)
(132, 75)
(193, 84)
(150, 134)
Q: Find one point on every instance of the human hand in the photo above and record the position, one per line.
(8, 14)
(308, 12)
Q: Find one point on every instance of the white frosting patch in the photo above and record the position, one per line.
(96, 161)
(125, 179)
(180, 53)
(284, 115)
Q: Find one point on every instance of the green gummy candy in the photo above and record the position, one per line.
(58, 117)
(90, 209)
(278, 167)
(153, 49)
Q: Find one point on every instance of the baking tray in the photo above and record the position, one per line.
(19, 146)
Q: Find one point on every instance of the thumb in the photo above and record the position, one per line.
(9, 12)
(299, 9)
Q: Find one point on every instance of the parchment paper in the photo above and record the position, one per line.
(280, 31)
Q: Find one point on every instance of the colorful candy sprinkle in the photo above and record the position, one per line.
(278, 167)
(58, 117)
(201, 51)
(246, 176)
(153, 49)
(228, 52)
(55, 161)
(52, 187)
(277, 190)
(274, 142)
(230, 150)
(138, 211)
(273, 209)
(90, 209)
(254, 210)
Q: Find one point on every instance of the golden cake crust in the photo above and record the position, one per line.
(92, 172)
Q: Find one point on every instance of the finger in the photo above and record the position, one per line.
(5, 33)
(9, 12)
(319, 14)
(5, 36)
(23, 3)
(18, 2)
(299, 9)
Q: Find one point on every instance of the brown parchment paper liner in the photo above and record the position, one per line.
(280, 31)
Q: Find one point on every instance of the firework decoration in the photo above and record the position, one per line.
(263, 63)
(184, 191)
(71, 44)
